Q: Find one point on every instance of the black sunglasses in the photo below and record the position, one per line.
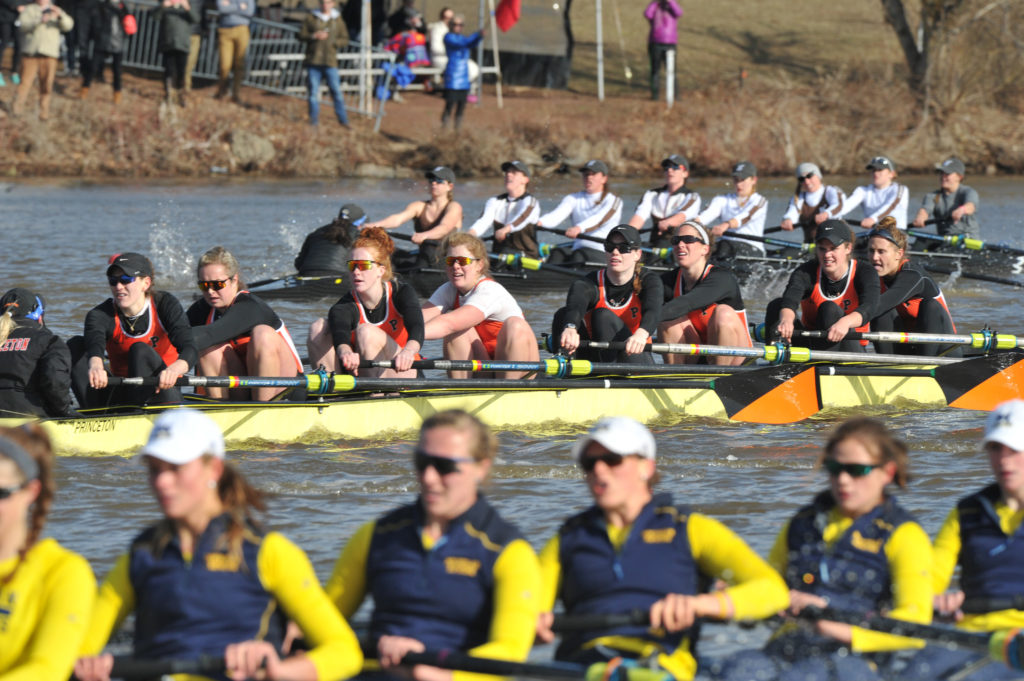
(854, 470)
(123, 279)
(622, 246)
(686, 239)
(6, 492)
(444, 465)
(807, 176)
(610, 459)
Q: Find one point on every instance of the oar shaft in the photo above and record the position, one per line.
(982, 604)
(975, 340)
(939, 269)
(447, 659)
(301, 381)
(600, 621)
(660, 252)
(556, 367)
(774, 353)
(785, 243)
(943, 635)
(130, 668)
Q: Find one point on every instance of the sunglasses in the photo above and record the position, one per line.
(123, 279)
(213, 284)
(621, 246)
(806, 177)
(463, 260)
(610, 459)
(686, 239)
(671, 166)
(6, 492)
(361, 265)
(444, 465)
(854, 470)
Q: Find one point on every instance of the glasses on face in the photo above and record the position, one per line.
(854, 470)
(804, 178)
(671, 166)
(361, 265)
(444, 465)
(463, 260)
(6, 492)
(437, 180)
(686, 239)
(213, 284)
(457, 25)
(610, 459)
(123, 279)
(621, 246)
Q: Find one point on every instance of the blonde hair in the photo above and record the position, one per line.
(377, 240)
(472, 244)
(218, 255)
(889, 226)
(483, 445)
(7, 325)
(37, 445)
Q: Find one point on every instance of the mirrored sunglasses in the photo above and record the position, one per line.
(123, 279)
(213, 284)
(463, 260)
(854, 470)
(361, 265)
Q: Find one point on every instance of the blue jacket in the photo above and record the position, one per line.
(456, 73)
(990, 560)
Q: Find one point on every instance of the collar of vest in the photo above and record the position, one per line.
(475, 515)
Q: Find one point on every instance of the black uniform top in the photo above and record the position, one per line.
(322, 253)
(717, 285)
(99, 326)
(230, 323)
(583, 296)
(805, 277)
(909, 282)
(343, 317)
(35, 372)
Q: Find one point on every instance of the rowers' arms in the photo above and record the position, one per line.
(451, 222)
(179, 332)
(799, 287)
(853, 200)
(114, 601)
(560, 213)
(395, 220)
(342, 319)
(716, 287)
(643, 209)
(238, 320)
(908, 283)
(946, 553)
(550, 585)
(346, 587)
(464, 317)
(582, 297)
(792, 213)
(407, 303)
(836, 204)
(866, 284)
(99, 326)
(487, 217)
(608, 212)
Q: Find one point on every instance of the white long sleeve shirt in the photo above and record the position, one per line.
(594, 215)
(660, 203)
(750, 213)
(503, 210)
(835, 203)
(877, 203)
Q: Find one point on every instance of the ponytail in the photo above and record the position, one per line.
(7, 324)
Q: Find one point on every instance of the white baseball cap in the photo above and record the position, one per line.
(183, 435)
(620, 435)
(1005, 425)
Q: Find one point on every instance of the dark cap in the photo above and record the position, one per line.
(594, 166)
(881, 163)
(835, 231)
(23, 304)
(676, 159)
(627, 232)
(132, 264)
(353, 213)
(515, 165)
(951, 165)
(743, 170)
(441, 173)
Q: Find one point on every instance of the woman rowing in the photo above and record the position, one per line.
(207, 580)
(593, 212)
(741, 213)
(142, 332)
(911, 301)
(378, 319)
(35, 365)
(473, 314)
(237, 333)
(513, 215)
(884, 196)
(46, 591)
(446, 572)
(813, 202)
(669, 205)
(432, 220)
(953, 206)
(703, 303)
(834, 294)
(637, 550)
(620, 303)
(326, 249)
(853, 549)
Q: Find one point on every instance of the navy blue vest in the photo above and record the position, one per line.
(854, 573)
(442, 597)
(186, 609)
(990, 560)
(655, 560)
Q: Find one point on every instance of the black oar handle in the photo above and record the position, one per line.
(130, 668)
(600, 620)
(943, 635)
(982, 604)
(449, 659)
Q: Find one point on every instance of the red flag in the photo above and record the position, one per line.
(507, 13)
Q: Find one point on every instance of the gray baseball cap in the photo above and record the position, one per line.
(951, 165)
(743, 170)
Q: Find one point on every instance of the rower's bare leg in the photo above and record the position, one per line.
(320, 346)
(726, 328)
(465, 345)
(269, 355)
(679, 330)
(376, 345)
(222, 360)
(517, 343)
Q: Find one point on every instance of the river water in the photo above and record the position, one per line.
(58, 237)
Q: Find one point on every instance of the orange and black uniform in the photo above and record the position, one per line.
(716, 286)
(398, 314)
(911, 301)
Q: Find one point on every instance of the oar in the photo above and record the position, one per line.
(947, 636)
(130, 668)
(449, 659)
(520, 260)
(938, 269)
(338, 278)
(785, 243)
(559, 367)
(963, 241)
(664, 253)
(984, 340)
(982, 604)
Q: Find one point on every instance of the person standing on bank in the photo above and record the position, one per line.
(177, 17)
(456, 71)
(812, 203)
(41, 24)
(953, 206)
(513, 215)
(35, 365)
(663, 16)
(232, 43)
(669, 205)
(324, 33)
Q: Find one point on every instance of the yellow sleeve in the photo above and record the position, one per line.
(516, 604)
(946, 552)
(114, 601)
(51, 652)
(347, 585)
(755, 589)
(550, 574)
(778, 558)
(909, 552)
(286, 572)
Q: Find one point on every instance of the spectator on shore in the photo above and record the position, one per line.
(232, 43)
(352, 15)
(176, 19)
(324, 33)
(438, 55)
(70, 42)
(109, 44)
(41, 24)
(88, 23)
(406, 17)
(456, 72)
(10, 35)
(195, 41)
(661, 42)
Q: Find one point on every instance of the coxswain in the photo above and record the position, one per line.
(142, 332)
(953, 206)
(884, 196)
(206, 579)
(812, 202)
(446, 572)
(46, 591)
(635, 549)
(854, 549)
(619, 303)
(35, 365)
(669, 205)
(513, 215)
(703, 303)
(236, 332)
(593, 212)
(833, 293)
(378, 319)
(326, 249)
(432, 220)
(473, 314)
(911, 301)
(740, 213)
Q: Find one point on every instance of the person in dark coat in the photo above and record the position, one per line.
(325, 251)
(10, 35)
(35, 365)
(109, 44)
(176, 19)
(456, 72)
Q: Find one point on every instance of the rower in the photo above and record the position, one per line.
(812, 203)
(619, 303)
(834, 293)
(884, 196)
(634, 549)
(740, 212)
(446, 572)
(46, 591)
(325, 250)
(513, 215)
(703, 303)
(669, 205)
(378, 319)
(236, 332)
(142, 332)
(35, 365)
(594, 211)
(207, 579)
(953, 206)
(473, 314)
(855, 549)
(911, 301)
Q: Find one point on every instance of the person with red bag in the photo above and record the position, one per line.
(110, 45)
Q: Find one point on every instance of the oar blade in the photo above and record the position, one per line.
(983, 383)
(773, 395)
